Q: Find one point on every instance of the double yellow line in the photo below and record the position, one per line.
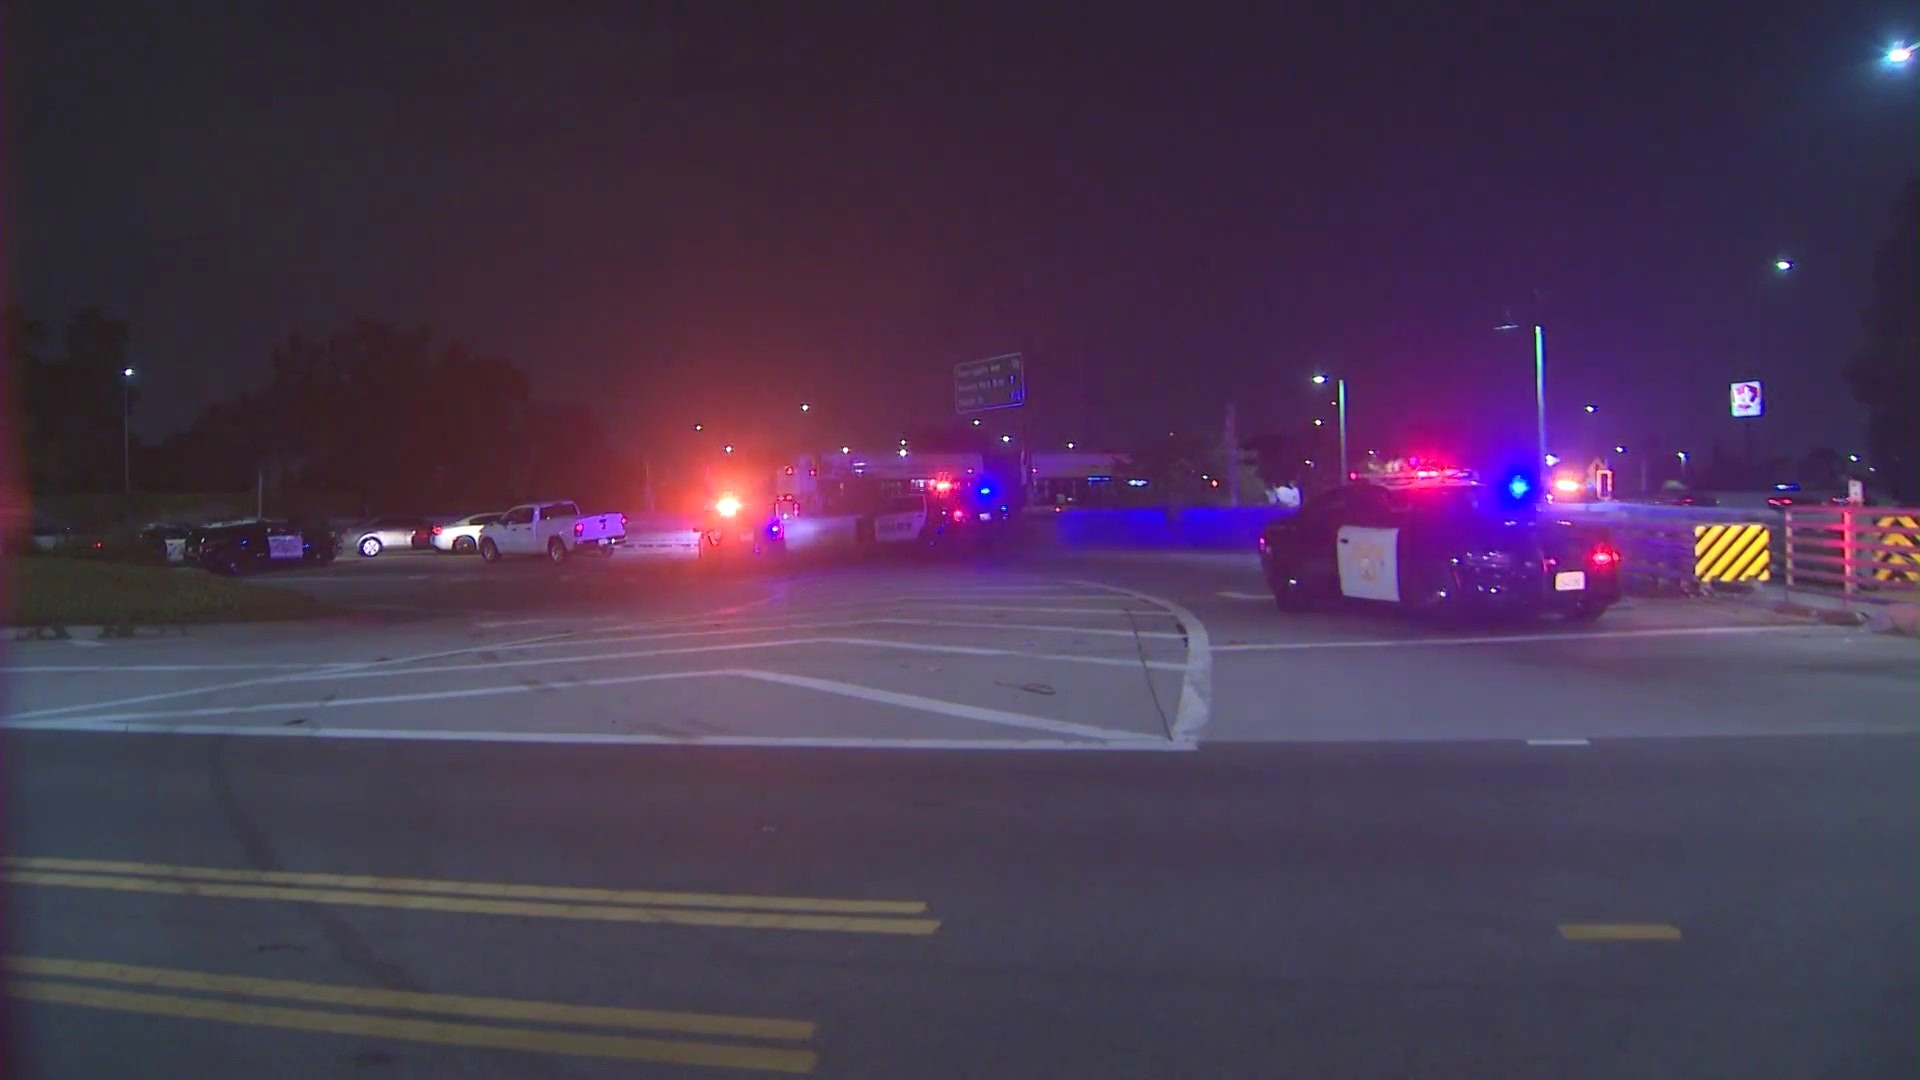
(130, 988)
(903, 917)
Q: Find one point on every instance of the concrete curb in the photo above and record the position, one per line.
(1830, 616)
(89, 633)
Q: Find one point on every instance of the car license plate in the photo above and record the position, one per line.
(986, 515)
(1570, 581)
(284, 547)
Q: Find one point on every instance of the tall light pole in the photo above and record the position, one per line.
(1340, 401)
(126, 428)
(1539, 385)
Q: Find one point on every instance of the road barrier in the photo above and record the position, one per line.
(1737, 552)
(1863, 554)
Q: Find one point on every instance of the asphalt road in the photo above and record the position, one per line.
(1099, 815)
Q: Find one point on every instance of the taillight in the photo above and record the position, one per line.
(1263, 545)
(1603, 557)
(623, 521)
(959, 515)
(579, 528)
(436, 530)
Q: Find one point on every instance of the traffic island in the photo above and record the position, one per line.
(56, 597)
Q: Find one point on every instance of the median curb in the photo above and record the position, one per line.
(90, 632)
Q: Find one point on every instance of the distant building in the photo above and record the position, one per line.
(1082, 478)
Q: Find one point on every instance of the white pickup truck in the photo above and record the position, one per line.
(552, 527)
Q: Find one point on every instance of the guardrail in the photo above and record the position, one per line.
(1863, 554)
(1685, 550)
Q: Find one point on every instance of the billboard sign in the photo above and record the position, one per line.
(998, 382)
(1746, 399)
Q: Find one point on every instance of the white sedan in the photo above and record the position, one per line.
(461, 535)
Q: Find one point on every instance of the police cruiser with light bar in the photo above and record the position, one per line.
(1436, 540)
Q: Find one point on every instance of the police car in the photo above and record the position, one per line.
(1438, 541)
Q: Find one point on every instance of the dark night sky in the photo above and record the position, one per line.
(719, 210)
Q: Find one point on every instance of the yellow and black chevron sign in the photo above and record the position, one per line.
(1898, 531)
(1732, 552)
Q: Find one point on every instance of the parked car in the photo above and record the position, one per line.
(461, 535)
(554, 528)
(376, 536)
(245, 546)
(168, 541)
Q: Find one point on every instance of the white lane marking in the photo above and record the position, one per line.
(83, 643)
(936, 705)
(1196, 686)
(495, 624)
(1045, 628)
(1504, 639)
(602, 739)
(1017, 601)
(1232, 595)
(1558, 742)
(1023, 610)
(192, 691)
(999, 717)
(695, 650)
(60, 669)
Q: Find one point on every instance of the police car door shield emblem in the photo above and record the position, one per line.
(1369, 563)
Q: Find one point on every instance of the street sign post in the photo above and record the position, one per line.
(998, 382)
(1746, 399)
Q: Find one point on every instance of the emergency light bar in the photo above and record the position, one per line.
(1397, 474)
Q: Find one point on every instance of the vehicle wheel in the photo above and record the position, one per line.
(463, 545)
(1587, 613)
(1288, 596)
(556, 551)
(1291, 599)
(489, 552)
(369, 547)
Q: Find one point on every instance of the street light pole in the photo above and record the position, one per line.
(1340, 397)
(1340, 402)
(126, 429)
(1540, 386)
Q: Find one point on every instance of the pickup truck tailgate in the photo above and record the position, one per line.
(599, 527)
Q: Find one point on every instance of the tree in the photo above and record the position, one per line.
(71, 405)
(1884, 371)
(1821, 468)
(1276, 458)
(378, 412)
(1173, 466)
